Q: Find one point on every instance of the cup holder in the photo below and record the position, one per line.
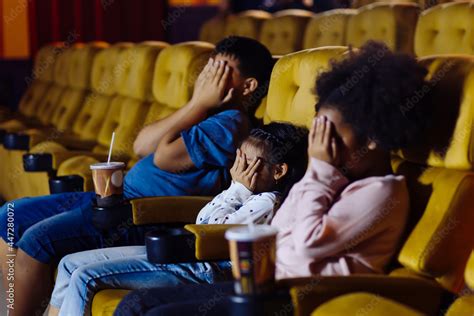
(170, 245)
(38, 163)
(65, 184)
(15, 141)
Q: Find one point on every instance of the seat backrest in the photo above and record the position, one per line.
(80, 64)
(452, 99)
(47, 105)
(42, 77)
(79, 84)
(327, 29)
(104, 76)
(247, 23)
(291, 96)
(446, 29)
(103, 88)
(63, 64)
(128, 109)
(441, 240)
(135, 70)
(391, 23)
(212, 31)
(175, 71)
(43, 68)
(283, 34)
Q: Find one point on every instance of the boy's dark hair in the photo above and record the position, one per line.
(255, 60)
(374, 90)
(284, 143)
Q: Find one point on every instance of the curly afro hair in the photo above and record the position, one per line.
(381, 94)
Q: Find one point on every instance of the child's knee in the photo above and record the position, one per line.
(67, 265)
(81, 278)
(34, 243)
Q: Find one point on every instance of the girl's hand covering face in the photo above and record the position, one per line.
(244, 173)
(322, 143)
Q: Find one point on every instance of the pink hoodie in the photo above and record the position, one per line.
(330, 227)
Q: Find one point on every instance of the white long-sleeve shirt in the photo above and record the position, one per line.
(238, 205)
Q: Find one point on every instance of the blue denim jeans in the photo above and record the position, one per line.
(81, 275)
(50, 227)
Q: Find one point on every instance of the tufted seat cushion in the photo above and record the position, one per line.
(328, 28)
(446, 28)
(283, 34)
(391, 23)
(247, 23)
(103, 77)
(135, 70)
(291, 95)
(212, 31)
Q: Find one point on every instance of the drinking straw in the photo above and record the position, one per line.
(111, 146)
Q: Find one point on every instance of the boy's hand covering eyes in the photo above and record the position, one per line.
(209, 89)
(244, 173)
(322, 142)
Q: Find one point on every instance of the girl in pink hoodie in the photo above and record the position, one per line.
(348, 213)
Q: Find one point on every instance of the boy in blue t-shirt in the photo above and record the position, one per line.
(188, 153)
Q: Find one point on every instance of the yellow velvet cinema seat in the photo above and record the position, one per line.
(72, 75)
(328, 28)
(290, 98)
(283, 34)
(125, 113)
(55, 112)
(38, 83)
(89, 120)
(374, 305)
(247, 23)
(171, 84)
(36, 95)
(392, 23)
(213, 30)
(446, 29)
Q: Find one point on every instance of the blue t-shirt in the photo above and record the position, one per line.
(211, 145)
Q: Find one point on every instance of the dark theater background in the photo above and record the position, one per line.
(29, 24)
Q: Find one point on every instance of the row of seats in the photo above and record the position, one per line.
(150, 80)
(440, 178)
(422, 3)
(446, 28)
(124, 86)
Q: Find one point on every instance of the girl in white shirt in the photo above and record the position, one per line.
(267, 164)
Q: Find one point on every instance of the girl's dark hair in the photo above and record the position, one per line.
(284, 143)
(381, 94)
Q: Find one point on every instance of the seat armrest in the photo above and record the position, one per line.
(309, 293)
(167, 209)
(210, 241)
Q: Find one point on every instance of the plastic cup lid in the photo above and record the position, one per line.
(248, 233)
(105, 165)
